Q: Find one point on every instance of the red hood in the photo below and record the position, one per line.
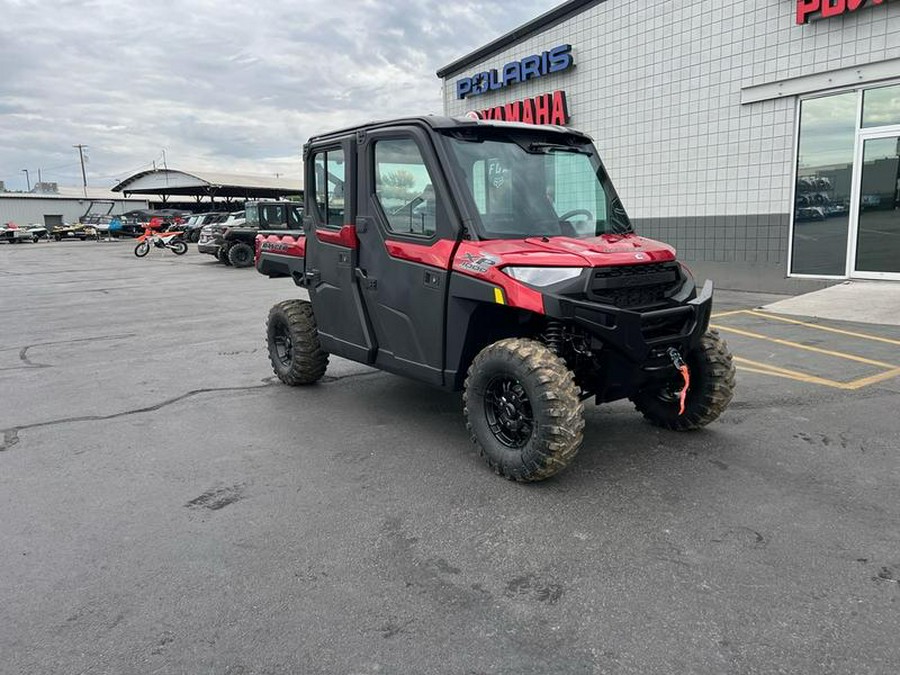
(607, 249)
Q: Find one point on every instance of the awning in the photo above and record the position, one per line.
(166, 182)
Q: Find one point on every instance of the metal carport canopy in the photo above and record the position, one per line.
(166, 182)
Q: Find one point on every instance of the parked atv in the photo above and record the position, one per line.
(494, 258)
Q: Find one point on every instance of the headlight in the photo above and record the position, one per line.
(543, 276)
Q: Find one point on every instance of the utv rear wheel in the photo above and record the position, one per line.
(712, 387)
(523, 409)
(294, 349)
(241, 255)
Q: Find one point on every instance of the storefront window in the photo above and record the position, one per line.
(824, 175)
(879, 207)
(881, 107)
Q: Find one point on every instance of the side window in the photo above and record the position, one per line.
(331, 176)
(295, 217)
(405, 189)
(271, 217)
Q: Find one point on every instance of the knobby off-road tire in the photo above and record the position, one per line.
(142, 249)
(241, 255)
(222, 255)
(294, 349)
(179, 247)
(523, 410)
(712, 387)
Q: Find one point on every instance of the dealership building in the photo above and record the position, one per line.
(761, 139)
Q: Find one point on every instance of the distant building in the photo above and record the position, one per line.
(46, 188)
(2, 186)
(65, 205)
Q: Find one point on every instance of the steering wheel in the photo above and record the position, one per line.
(568, 215)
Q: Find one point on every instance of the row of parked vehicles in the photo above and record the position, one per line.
(98, 223)
(232, 241)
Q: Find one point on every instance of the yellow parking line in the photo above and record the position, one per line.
(716, 315)
(776, 371)
(851, 333)
(873, 379)
(767, 369)
(797, 345)
(760, 371)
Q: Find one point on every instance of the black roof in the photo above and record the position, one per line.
(439, 122)
(546, 20)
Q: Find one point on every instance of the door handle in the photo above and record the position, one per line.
(367, 282)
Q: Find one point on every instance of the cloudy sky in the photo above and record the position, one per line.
(235, 87)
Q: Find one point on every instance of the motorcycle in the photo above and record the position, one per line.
(170, 240)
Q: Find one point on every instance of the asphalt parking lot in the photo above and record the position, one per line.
(166, 506)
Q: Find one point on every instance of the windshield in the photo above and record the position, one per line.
(251, 214)
(530, 185)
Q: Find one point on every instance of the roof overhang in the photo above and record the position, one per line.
(208, 184)
(544, 22)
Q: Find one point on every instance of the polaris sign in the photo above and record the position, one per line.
(531, 67)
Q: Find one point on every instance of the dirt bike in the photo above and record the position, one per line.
(170, 240)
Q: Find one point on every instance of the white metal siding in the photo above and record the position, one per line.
(26, 210)
(658, 85)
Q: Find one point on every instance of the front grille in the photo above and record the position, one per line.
(633, 286)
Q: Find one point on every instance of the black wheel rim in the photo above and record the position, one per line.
(508, 411)
(284, 346)
(241, 256)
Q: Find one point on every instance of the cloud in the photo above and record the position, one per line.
(224, 86)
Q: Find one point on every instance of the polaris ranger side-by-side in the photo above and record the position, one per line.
(494, 258)
(231, 240)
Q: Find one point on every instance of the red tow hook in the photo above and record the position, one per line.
(682, 367)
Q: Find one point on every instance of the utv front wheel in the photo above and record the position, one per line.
(523, 409)
(294, 349)
(712, 386)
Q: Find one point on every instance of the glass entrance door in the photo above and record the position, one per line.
(875, 222)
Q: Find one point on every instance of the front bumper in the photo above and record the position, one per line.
(638, 335)
(208, 247)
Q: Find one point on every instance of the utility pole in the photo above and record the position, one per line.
(83, 174)
(40, 177)
(27, 179)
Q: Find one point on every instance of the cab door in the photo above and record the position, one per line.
(406, 242)
(332, 252)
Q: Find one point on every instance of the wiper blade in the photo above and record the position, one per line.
(542, 148)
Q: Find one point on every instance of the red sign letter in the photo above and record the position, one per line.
(833, 7)
(512, 111)
(542, 109)
(805, 8)
(560, 114)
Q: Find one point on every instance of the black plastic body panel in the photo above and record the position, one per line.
(404, 300)
(636, 334)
